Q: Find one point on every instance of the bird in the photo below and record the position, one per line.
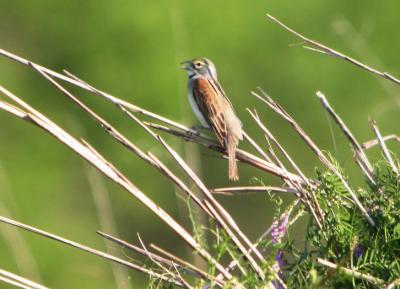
(213, 108)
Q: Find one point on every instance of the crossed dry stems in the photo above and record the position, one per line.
(169, 265)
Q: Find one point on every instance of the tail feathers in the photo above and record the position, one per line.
(231, 144)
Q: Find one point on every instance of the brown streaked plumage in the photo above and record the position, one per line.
(213, 109)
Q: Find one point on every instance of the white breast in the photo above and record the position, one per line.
(196, 109)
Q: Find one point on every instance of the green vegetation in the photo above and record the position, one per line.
(348, 239)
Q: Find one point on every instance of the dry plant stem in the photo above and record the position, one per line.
(383, 146)
(371, 143)
(393, 284)
(168, 262)
(220, 214)
(189, 136)
(276, 159)
(278, 109)
(180, 184)
(135, 248)
(87, 249)
(107, 127)
(318, 47)
(87, 87)
(187, 265)
(181, 278)
(14, 283)
(129, 106)
(21, 280)
(257, 147)
(241, 155)
(106, 168)
(257, 119)
(163, 268)
(361, 157)
(307, 196)
(294, 185)
(353, 273)
(235, 191)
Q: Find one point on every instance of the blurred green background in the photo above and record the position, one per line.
(132, 50)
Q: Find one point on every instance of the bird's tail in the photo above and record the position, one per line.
(231, 144)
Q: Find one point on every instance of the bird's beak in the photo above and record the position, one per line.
(186, 65)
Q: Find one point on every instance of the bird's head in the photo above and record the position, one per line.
(200, 67)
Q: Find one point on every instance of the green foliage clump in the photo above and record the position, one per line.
(347, 239)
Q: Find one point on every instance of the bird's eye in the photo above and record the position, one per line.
(198, 64)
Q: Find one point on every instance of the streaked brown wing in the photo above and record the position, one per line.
(222, 92)
(211, 104)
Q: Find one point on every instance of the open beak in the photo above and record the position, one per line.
(186, 65)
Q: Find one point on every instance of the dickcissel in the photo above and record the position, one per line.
(213, 108)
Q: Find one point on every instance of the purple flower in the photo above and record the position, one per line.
(277, 233)
(279, 230)
(358, 251)
(277, 267)
(279, 259)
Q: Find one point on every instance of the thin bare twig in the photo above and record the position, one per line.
(361, 157)
(85, 86)
(307, 196)
(393, 284)
(220, 214)
(180, 184)
(352, 272)
(278, 109)
(383, 146)
(21, 280)
(14, 283)
(371, 143)
(87, 249)
(270, 136)
(321, 48)
(241, 155)
(257, 147)
(169, 262)
(234, 191)
(184, 264)
(166, 270)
